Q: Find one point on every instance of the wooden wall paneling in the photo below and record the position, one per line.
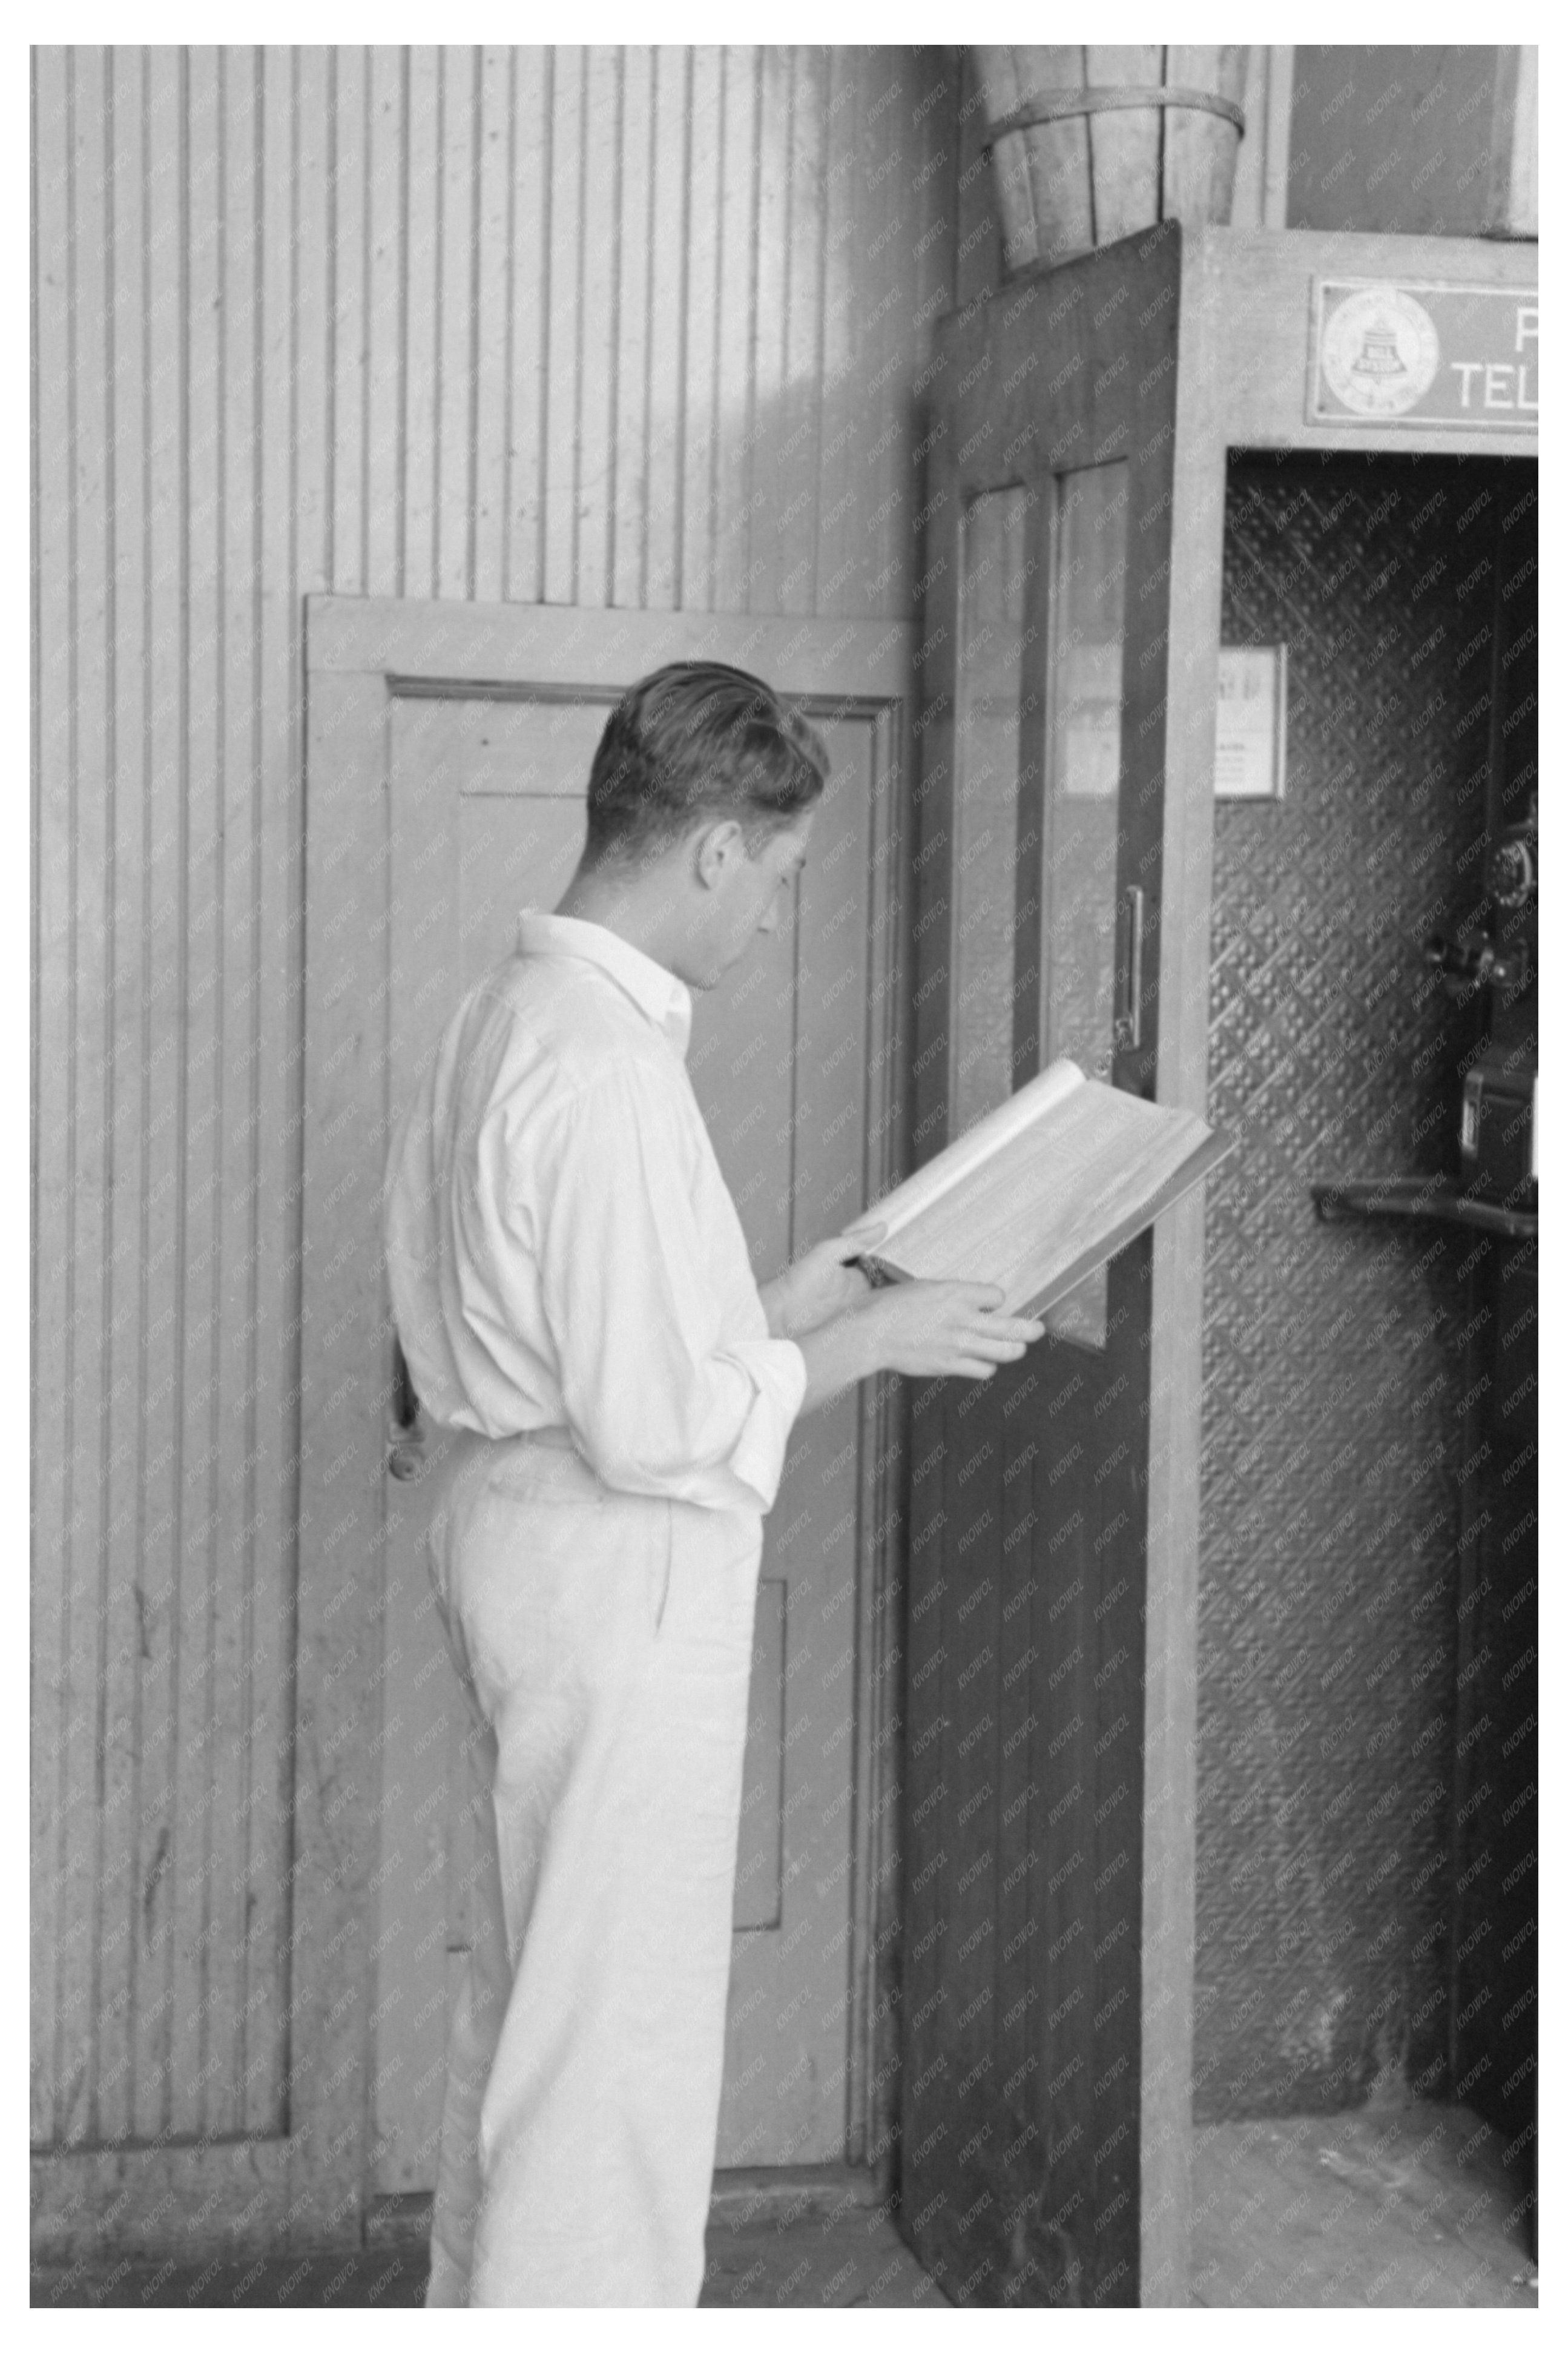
(667, 331)
(830, 987)
(1061, 1815)
(51, 1728)
(977, 253)
(426, 69)
(124, 491)
(75, 834)
(388, 299)
(333, 154)
(788, 525)
(1263, 159)
(493, 230)
(230, 1594)
(933, 293)
(125, 495)
(297, 151)
(392, 634)
(765, 424)
(630, 420)
(561, 227)
(291, 520)
(861, 521)
(918, 189)
(978, 1815)
(743, 136)
(421, 1717)
(95, 2203)
(534, 79)
(291, 409)
(1513, 198)
(934, 813)
(340, 1632)
(855, 150)
(58, 1533)
(841, 179)
(1109, 1768)
(1021, 1630)
(923, 2010)
(695, 579)
(97, 1677)
(158, 1598)
(598, 299)
(457, 322)
(873, 2033)
(198, 780)
(314, 307)
(955, 1831)
(1279, 74)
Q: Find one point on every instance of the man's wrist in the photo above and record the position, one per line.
(841, 1352)
(772, 1294)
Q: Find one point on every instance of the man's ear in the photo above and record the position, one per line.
(716, 848)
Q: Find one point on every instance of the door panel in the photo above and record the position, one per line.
(488, 817)
(1042, 801)
(1001, 619)
(1074, 918)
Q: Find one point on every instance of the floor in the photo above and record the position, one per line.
(1401, 2205)
(1409, 2205)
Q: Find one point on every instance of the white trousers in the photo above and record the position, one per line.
(603, 1643)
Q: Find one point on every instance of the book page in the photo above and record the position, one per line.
(987, 1137)
(1044, 1202)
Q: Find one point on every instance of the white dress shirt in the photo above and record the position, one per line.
(562, 1248)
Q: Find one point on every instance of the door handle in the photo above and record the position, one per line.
(407, 1457)
(1129, 1014)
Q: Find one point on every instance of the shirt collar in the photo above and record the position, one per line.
(665, 1000)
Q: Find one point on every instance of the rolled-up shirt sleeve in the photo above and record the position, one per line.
(667, 1388)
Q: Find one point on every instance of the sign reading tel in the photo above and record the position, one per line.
(1408, 352)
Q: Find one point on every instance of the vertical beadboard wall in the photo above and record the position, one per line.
(613, 327)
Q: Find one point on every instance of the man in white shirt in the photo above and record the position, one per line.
(574, 1297)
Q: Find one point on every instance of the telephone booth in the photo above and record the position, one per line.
(1225, 715)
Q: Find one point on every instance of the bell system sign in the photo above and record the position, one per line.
(1409, 352)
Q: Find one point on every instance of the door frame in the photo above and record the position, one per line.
(361, 654)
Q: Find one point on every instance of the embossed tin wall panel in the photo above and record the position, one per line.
(1333, 1354)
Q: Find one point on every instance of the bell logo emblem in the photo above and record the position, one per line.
(1379, 351)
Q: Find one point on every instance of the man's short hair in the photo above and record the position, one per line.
(693, 742)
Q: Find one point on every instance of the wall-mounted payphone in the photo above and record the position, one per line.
(1498, 1148)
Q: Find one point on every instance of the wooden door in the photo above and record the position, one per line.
(1040, 1504)
(486, 803)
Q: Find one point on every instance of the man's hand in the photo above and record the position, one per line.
(940, 1331)
(821, 1284)
(935, 1331)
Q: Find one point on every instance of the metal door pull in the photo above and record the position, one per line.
(1129, 1019)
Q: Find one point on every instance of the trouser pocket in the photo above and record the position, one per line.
(560, 1595)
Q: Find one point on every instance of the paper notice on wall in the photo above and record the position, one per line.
(1250, 726)
(1089, 687)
